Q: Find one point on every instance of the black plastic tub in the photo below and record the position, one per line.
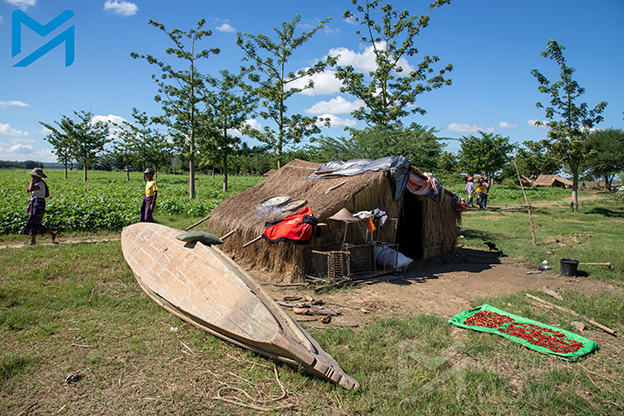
(569, 267)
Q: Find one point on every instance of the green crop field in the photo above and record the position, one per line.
(107, 201)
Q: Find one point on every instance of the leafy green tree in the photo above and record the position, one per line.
(605, 154)
(486, 154)
(389, 93)
(182, 92)
(448, 162)
(229, 105)
(60, 139)
(569, 123)
(142, 144)
(276, 85)
(535, 159)
(86, 138)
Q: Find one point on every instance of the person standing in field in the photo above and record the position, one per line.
(486, 183)
(149, 197)
(469, 189)
(481, 195)
(36, 206)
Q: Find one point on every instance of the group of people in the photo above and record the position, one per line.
(39, 191)
(480, 192)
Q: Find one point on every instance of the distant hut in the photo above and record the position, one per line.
(552, 180)
(422, 227)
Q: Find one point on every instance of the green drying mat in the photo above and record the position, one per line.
(588, 345)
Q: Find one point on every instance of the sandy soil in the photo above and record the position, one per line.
(442, 288)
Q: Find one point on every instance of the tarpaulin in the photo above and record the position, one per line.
(398, 166)
(296, 228)
(587, 344)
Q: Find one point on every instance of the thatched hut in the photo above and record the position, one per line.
(553, 181)
(424, 228)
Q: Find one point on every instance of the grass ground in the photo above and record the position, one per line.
(68, 308)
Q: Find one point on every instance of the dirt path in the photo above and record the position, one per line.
(442, 288)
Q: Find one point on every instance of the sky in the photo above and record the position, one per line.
(493, 45)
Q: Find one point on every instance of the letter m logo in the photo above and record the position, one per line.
(67, 37)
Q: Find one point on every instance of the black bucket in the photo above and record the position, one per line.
(568, 267)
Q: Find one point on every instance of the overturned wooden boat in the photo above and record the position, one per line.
(207, 289)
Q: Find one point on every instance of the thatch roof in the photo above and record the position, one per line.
(326, 196)
(551, 180)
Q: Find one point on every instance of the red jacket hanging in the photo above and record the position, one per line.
(296, 228)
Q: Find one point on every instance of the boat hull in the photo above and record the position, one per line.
(204, 287)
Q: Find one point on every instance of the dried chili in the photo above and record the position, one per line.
(488, 319)
(543, 337)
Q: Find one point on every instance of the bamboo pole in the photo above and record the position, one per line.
(526, 200)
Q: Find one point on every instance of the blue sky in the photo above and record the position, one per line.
(492, 44)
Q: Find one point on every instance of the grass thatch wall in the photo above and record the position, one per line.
(325, 196)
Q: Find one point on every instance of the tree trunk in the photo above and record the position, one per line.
(84, 168)
(575, 188)
(225, 174)
(65, 170)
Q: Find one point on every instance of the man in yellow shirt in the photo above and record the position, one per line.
(149, 198)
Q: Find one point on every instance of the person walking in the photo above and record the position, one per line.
(469, 189)
(481, 194)
(149, 197)
(486, 184)
(39, 191)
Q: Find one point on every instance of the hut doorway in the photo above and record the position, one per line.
(410, 227)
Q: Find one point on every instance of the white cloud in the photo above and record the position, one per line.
(505, 125)
(1, 19)
(253, 123)
(109, 120)
(226, 27)
(22, 4)
(364, 61)
(336, 105)
(325, 83)
(6, 129)
(122, 8)
(21, 151)
(532, 122)
(5, 104)
(466, 128)
(336, 122)
(44, 130)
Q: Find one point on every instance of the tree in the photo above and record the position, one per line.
(141, 144)
(447, 162)
(276, 85)
(182, 92)
(60, 140)
(569, 123)
(486, 154)
(535, 160)
(388, 93)
(605, 154)
(229, 105)
(86, 138)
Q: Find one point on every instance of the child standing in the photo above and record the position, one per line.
(149, 197)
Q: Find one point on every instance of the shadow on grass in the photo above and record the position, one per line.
(606, 212)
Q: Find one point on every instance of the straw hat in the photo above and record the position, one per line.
(38, 172)
(344, 215)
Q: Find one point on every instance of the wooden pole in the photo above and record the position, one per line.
(197, 223)
(596, 324)
(252, 241)
(229, 234)
(526, 200)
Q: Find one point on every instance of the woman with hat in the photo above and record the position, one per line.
(149, 198)
(36, 207)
